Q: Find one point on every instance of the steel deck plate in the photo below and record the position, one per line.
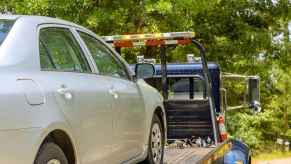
(185, 156)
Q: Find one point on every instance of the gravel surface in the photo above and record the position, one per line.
(275, 161)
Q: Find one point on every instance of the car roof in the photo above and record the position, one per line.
(18, 51)
(176, 69)
(188, 66)
(39, 19)
(22, 35)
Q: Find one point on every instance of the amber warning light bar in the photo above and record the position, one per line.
(156, 39)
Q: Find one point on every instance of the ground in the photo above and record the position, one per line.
(275, 157)
(274, 161)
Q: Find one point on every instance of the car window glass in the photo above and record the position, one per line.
(180, 88)
(5, 26)
(45, 58)
(105, 61)
(199, 88)
(60, 50)
(186, 88)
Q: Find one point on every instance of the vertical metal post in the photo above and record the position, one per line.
(118, 49)
(163, 58)
(208, 89)
(191, 87)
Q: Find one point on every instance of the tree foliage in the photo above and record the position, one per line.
(243, 36)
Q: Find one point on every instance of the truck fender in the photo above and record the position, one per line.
(239, 153)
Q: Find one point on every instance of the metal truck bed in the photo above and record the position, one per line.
(185, 156)
(197, 155)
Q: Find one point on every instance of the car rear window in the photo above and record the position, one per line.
(5, 26)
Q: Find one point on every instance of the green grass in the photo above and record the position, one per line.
(272, 155)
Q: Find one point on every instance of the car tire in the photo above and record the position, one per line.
(50, 153)
(156, 143)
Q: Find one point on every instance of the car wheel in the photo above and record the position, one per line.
(50, 153)
(156, 143)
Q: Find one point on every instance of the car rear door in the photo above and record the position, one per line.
(81, 94)
(127, 102)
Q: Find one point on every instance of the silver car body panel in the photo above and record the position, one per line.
(102, 129)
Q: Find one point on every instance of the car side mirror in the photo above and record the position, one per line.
(254, 93)
(144, 70)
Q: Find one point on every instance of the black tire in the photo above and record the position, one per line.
(150, 157)
(49, 152)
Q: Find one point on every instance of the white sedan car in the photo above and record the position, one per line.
(68, 98)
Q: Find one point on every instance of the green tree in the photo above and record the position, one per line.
(236, 34)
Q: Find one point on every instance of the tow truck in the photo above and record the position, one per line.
(194, 100)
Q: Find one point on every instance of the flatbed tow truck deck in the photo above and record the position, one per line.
(199, 155)
(185, 155)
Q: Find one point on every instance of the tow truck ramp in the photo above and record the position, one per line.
(197, 155)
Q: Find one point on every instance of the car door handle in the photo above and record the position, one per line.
(113, 93)
(65, 92)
